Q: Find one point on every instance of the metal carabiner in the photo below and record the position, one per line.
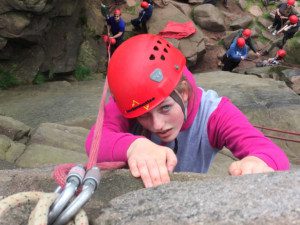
(74, 180)
(90, 184)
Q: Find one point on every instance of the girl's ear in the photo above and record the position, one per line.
(184, 91)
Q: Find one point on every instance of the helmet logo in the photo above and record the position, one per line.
(136, 105)
(157, 75)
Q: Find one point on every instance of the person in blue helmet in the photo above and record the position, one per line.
(117, 28)
(144, 15)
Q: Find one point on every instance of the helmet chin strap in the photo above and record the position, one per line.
(176, 96)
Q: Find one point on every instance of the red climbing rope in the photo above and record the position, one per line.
(279, 131)
(61, 171)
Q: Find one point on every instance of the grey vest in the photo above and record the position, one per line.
(195, 153)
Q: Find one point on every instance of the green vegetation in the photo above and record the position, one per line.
(266, 15)
(254, 2)
(132, 9)
(221, 42)
(82, 73)
(7, 80)
(39, 78)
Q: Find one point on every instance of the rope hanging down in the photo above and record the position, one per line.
(62, 209)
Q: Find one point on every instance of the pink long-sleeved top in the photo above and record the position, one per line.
(212, 123)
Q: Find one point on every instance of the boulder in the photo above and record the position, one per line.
(241, 22)
(209, 17)
(59, 136)
(186, 9)
(12, 128)
(10, 151)
(195, 47)
(37, 155)
(255, 10)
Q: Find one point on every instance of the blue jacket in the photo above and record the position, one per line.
(234, 52)
(116, 27)
(146, 14)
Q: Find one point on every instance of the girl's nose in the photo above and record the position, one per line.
(157, 122)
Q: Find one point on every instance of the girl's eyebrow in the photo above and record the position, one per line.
(166, 101)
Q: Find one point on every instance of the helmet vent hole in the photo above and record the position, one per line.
(155, 48)
(162, 57)
(152, 57)
(165, 50)
(159, 42)
(168, 45)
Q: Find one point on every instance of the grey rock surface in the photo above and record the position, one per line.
(252, 199)
(60, 136)
(209, 17)
(12, 128)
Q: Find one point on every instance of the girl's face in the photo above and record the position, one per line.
(165, 120)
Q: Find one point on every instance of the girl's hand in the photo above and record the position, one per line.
(249, 165)
(151, 162)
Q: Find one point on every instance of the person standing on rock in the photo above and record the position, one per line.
(159, 121)
(236, 52)
(144, 16)
(283, 11)
(117, 28)
(247, 35)
(289, 30)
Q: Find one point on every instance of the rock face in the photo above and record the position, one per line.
(188, 199)
(252, 199)
(45, 37)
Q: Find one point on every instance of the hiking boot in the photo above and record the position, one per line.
(274, 32)
(270, 27)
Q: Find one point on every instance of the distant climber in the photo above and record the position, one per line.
(288, 31)
(117, 28)
(283, 11)
(247, 35)
(234, 55)
(144, 15)
(280, 54)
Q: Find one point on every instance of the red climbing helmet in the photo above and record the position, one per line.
(145, 5)
(142, 72)
(247, 32)
(293, 19)
(117, 12)
(281, 53)
(240, 42)
(291, 2)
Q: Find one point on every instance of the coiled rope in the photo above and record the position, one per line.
(39, 216)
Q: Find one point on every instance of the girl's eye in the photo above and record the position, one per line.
(166, 108)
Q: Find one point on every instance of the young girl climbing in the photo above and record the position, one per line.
(159, 121)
